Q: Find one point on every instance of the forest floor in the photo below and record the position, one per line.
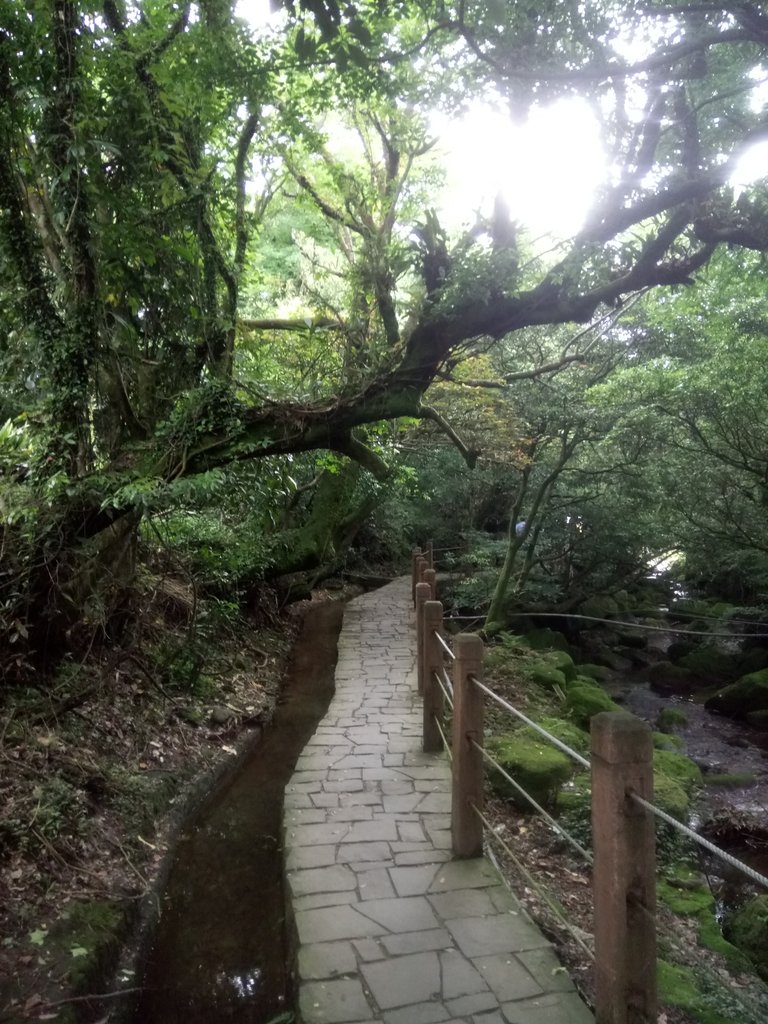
(91, 760)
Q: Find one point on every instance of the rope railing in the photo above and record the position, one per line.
(573, 754)
(444, 738)
(623, 859)
(636, 625)
(445, 645)
(533, 882)
(446, 691)
(558, 828)
(722, 855)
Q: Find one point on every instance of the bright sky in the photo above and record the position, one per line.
(547, 168)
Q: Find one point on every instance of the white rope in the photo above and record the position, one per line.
(446, 647)
(447, 681)
(448, 750)
(542, 893)
(547, 735)
(545, 814)
(630, 625)
(446, 694)
(721, 854)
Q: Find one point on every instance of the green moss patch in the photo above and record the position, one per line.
(535, 764)
(666, 741)
(671, 718)
(586, 699)
(736, 780)
(747, 929)
(546, 640)
(566, 732)
(711, 665)
(686, 901)
(750, 693)
(600, 673)
(544, 674)
(680, 769)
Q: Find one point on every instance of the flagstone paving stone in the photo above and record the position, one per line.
(391, 929)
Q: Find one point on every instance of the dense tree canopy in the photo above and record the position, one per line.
(222, 250)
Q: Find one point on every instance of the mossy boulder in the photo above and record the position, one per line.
(747, 929)
(562, 661)
(633, 639)
(535, 764)
(600, 606)
(750, 693)
(563, 730)
(600, 673)
(547, 676)
(710, 665)
(690, 901)
(752, 660)
(758, 718)
(734, 780)
(546, 640)
(679, 649)
(679, 986)
(666, 741)
(671, 718)
(586, 699)
(670, 796)
(680, 769)
(666, 678)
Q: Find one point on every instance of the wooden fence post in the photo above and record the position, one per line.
(467, 789)
(430, 576)
(432, 654)
(624, 871)
(423, 594)
(415, 554)
(430, 554)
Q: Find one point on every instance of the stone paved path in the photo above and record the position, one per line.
(390, 929)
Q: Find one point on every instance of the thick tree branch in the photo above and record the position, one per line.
(427, 412)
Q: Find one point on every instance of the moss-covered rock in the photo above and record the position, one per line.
(734, 780)
(711, 937)
(758, 718)
(671, 797)
(600, 673)
(535, 764)
(563, 730)
(750, 693)
(586, 699)
(679, 649)
(546, 640)
(682, 770)
(546, 675)
(752, 660)
(686, 901)
(600, 606)
(747, 929)
(679, 986)
(710, 665)
(664, 677)
(670, 718)
(563, 662)
(633, 639)
(666, 741)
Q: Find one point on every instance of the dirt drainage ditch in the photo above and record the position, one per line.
(222, 951)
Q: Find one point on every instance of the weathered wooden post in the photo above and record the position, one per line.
(415, 555)
(430, 576)
(429, 554)
(432, 654)
(467, 789)
(423, 594)
(624, 870)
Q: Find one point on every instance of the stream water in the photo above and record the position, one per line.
(720, 746)
(222, 949)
